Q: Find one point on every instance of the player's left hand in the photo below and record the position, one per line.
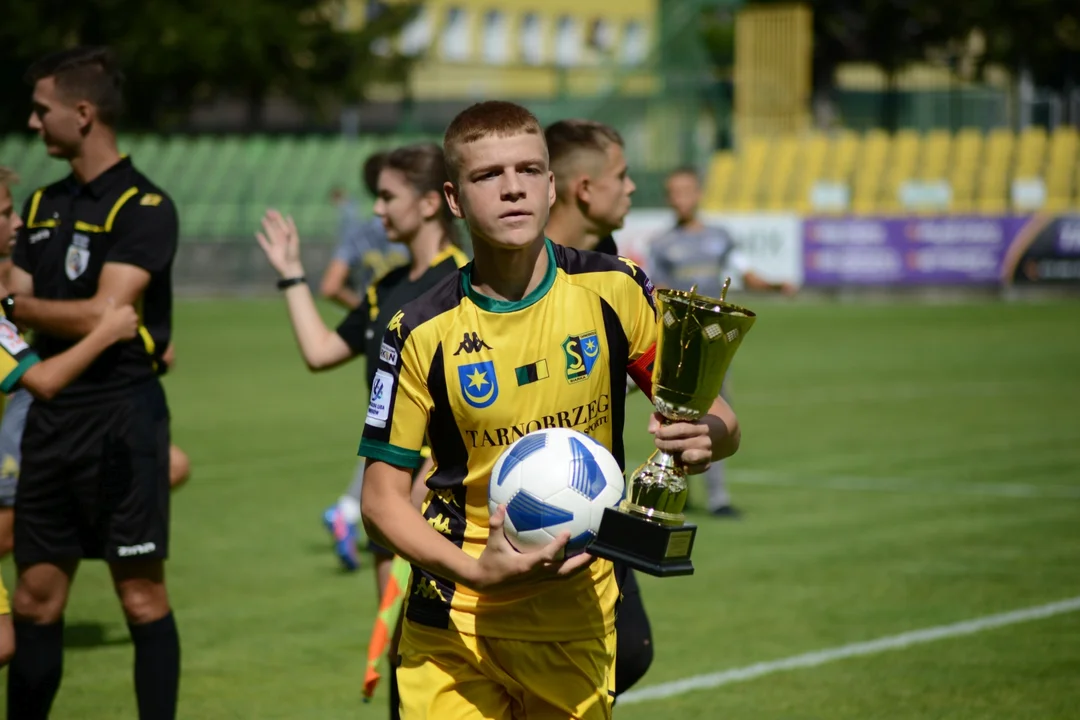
(281, 243)
(689, 442)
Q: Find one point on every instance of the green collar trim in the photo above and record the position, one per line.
(490, 304)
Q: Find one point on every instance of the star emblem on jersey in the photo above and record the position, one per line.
(479, 386)
(580, 352)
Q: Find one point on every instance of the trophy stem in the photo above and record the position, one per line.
(658, 490)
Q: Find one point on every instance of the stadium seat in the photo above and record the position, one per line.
(718, 180)
(1061, 161)
(751, 165)
(993, 193)
(778, 181)
(963, 169)
(810, 168)
(870, 171)
(902, 165)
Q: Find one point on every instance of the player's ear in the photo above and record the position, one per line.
(452, 199)
(429, 204)
(583, 189)
(85, 114)
(551, 189)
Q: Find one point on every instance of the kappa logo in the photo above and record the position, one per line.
(395, 323)
(40, 235)
(630, 264)
(151, 199)
(479, 386)
(472, 344)
(581, 352)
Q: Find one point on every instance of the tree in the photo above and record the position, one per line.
(177, 53)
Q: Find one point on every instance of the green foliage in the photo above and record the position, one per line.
(179, 52)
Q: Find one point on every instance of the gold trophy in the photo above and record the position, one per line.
(696, 341)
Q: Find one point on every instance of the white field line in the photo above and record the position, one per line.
(861, 649)
(902, 485)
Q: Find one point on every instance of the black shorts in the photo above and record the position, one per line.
(94, 480)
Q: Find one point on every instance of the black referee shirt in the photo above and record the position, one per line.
(363, 328)
(71, 231)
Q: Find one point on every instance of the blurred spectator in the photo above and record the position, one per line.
(362, 253)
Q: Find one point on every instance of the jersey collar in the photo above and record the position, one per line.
(100, 185)
(490, 304)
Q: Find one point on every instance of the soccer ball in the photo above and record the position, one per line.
(554, 480)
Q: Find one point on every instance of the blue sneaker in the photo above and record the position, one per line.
(345, 535)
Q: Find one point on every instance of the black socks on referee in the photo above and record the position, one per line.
(157, 667)
(34, 673)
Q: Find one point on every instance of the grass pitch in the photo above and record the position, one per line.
(903, 467)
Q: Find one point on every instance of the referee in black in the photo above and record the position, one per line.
(94, 481)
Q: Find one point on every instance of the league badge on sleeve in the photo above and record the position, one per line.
(379, 405)
(479, 386)
(10, 338)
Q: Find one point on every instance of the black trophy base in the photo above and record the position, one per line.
(647, 546)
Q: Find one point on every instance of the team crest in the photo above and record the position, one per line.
(581, 352)
(78, 256)
(479, 386)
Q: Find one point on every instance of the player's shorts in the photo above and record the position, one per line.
(94, 482)
(445, 674)
(11, 432)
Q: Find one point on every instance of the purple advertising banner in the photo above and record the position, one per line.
(945, 250)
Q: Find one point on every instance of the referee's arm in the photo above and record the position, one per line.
(145, 244)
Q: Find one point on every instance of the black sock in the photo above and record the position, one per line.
(395, 699)
(34, 673)
(157, 667)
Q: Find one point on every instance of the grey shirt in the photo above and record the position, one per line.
(683, 258)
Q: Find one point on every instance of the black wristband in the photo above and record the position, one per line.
(8, 306)
(289, 282)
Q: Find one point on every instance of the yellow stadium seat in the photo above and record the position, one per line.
(964, 167)
(779, 178)
(749, 168)
(869, 173)
(936, 155)
(1061, 161)
(993, 192)
(809, 170)
(718, 180)
(1030, 153)
(901, 166)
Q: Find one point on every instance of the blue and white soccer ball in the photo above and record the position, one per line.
(554, 480)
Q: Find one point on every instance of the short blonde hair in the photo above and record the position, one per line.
(8, 177)
(494, 117)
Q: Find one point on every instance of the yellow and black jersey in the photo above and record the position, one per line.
(72, 230)
(362, 329)
(16, 357)
(475, 374)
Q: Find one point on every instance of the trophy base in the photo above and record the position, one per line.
(654, 549)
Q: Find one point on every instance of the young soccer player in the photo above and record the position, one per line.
(491, 632)
(693, 253)
(94, 481)
(411, 206)
(592, 197)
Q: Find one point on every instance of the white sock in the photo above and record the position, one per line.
(350, 509)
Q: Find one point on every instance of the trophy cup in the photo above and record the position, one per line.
(696, 341)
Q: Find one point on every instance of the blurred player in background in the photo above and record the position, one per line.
(491, 632)
(409, 203)
(693, 253)
(94, 481)
(360, 254)
(592, 197)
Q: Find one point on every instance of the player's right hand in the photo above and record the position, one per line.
(501, 567)
(119, 322)
(281, 243)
